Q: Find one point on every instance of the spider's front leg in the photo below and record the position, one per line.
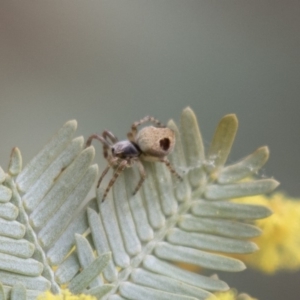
(107, 139)
(112, 161)
(122, 165)
(95, 137)
(102, 175)
(107, 134)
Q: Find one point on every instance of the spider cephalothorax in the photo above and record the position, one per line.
(150, 143)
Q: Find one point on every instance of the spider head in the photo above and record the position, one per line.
(125, 149)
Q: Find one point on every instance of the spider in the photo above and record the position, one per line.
(149, 144)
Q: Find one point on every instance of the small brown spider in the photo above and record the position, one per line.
(150, 143)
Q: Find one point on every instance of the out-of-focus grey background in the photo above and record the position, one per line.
(109, 63)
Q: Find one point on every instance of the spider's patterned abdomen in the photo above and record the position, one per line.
(155, 142)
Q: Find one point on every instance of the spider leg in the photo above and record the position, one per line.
(96, 137)
(101, 139)
(131, 135)
(107, 134)
(102, 175)
(107, 139)
(112, 161)
(110, 135)
(118, 171)
(171, 169)
(143, 176)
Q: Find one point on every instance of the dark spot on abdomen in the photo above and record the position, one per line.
(164, 144)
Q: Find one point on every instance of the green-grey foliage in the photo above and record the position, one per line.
(126, 247)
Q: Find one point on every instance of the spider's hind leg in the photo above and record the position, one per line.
(142, 174)
(131, 135)
(171, 169)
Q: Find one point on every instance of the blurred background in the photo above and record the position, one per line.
(109, 63)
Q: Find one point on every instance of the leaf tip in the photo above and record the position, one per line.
(171, 124)
(2, 175)
(188, 112)
(71, 123)
(231, 117)
(274, 184)
(15, 163)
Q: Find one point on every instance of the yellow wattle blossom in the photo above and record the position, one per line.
(64, 295)
(280, 240)
(231, 295)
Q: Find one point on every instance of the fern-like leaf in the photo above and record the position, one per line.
(165, 223)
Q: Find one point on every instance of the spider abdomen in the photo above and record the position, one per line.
(155, 142)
